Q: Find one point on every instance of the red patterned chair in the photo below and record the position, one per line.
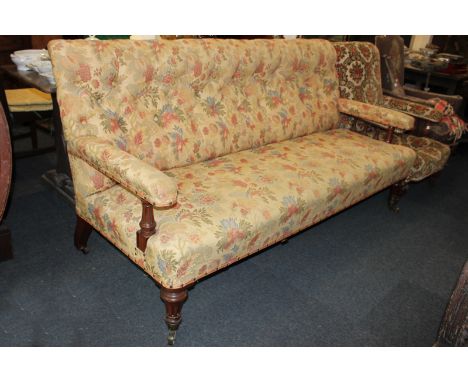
(190, 155)
(358, 69)
(436, 114)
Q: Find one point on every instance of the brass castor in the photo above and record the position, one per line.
(85, 250)
(171, 337)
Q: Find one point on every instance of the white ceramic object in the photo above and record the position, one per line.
(20, 62)
(42, 66)
(31, 52)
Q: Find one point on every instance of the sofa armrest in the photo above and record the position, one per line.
(415, 109)
(455, 100)
(139, 177)
(376, 114)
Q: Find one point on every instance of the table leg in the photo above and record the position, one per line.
(60, 177)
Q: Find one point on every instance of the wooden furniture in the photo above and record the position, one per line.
(11, 43)
(449, 83)
(436, 113)
(5, 182)
(191, 155)
(454, 327)
(59, 177)
(24, 107)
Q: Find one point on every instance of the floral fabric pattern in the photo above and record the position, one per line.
(376, 114)
(413, 108)
(135, 175)
(358, 70)
(431, 155)
(174, 103)
(234, 142)
(233, 206)
(437, 121)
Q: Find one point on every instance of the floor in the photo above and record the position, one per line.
(365, 277)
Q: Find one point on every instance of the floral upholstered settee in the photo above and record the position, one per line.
(190, 155)
(358, 69)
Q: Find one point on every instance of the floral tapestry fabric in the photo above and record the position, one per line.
(431, 155)
(376, 114)
(235, 205)
(135, 175)
(413, 108)
(174, 103)
(358, 70)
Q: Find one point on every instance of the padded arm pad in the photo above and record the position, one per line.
(417, 110)
(377, 114)
(135, 175)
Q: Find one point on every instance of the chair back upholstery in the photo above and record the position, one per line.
(173, 103)
(358, 69)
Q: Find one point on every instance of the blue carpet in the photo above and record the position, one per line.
(366, 277)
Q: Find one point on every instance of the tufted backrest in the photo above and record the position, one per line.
(173, 103)
(358, 69)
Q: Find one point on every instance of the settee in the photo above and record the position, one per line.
(191, 155)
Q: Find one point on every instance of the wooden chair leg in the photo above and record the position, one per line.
(396, 192)
(5, 243)
(173, 299)
(82, 231)
(33, 131)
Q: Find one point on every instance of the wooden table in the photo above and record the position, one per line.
(449, 82)
(60, 176)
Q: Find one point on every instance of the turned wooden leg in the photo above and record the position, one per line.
(396, 192)
(147, 226)
(82, 231)
(173, 299)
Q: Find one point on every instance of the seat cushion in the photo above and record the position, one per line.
(431, 155)
(233, 206)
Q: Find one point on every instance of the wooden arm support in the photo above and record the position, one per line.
(390, 132)
(147, 225)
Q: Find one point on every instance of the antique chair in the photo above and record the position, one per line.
(436, 114)
(5, 182)
(453, 330)
(358, 68)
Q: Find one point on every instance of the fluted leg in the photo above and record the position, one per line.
(173, 299)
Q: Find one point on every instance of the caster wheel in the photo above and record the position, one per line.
(171, 337)
(85, 250)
